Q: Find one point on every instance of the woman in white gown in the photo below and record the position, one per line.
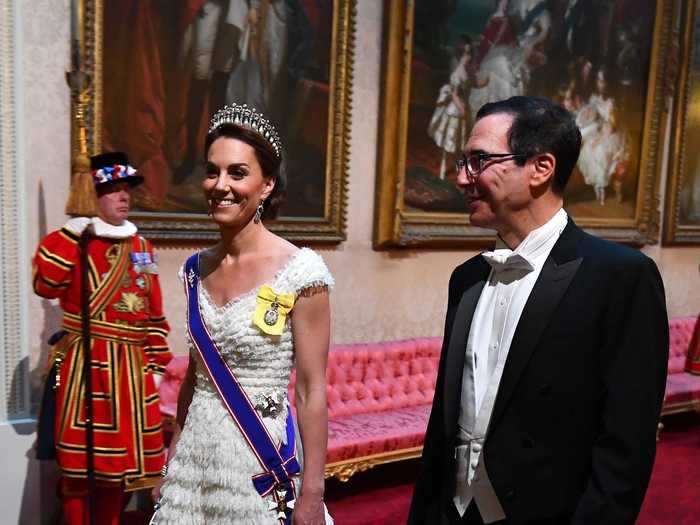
(603, 146)
(451, 121)
(263, 51)
(507, 66)
(209, 475)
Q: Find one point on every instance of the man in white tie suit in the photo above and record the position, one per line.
(553, 366)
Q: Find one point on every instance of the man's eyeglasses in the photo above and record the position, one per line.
(474, 162)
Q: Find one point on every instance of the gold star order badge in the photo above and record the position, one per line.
(281, 504)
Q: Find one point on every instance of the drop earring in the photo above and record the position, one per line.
(258, 213)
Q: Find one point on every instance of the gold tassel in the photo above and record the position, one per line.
(82, 200)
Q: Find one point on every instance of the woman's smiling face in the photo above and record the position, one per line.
(234, 185)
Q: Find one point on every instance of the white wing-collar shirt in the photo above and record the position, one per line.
(501, 303)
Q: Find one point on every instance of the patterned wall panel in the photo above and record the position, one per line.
(14, 386)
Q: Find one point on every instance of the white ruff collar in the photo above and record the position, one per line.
(103, 229)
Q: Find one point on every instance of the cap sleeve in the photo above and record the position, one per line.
(310, 272)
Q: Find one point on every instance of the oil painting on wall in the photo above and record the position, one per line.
(161, 69)
(595, 57)
(682, 217)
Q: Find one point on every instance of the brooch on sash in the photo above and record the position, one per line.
(281, 506)
(269, 405)
(144, 262)
(271, 310)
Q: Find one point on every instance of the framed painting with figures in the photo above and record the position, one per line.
(682, 211)
(444, 59)
(159, 70)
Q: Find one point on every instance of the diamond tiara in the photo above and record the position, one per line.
(249, 118)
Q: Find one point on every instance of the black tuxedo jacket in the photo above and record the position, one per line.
(572, 436)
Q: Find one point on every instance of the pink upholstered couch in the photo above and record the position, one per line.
(380, 394)
(379, 398)
(682, 388)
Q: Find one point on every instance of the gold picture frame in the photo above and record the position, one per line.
(682, 209)
(400, 225)
(322, 222)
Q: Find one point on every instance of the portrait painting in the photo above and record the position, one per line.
(597, 58)
(161, 69)
(682, 217)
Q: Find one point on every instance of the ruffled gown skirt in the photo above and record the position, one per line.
(209, 478)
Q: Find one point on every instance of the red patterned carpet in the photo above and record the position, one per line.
(382, 496)
(674, 492)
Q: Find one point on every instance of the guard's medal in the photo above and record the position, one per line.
(144, 262)
(271, 310)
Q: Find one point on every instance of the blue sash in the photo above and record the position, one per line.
(279, 464)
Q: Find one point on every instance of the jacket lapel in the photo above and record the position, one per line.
(457, 347)
(558, 271)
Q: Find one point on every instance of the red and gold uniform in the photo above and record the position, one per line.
(692, 364)
(129, 347)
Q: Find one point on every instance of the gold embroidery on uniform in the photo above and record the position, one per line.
(110, 426)
(98, 450)
(134, 326)
(100, 475)
(157, 349)
(58, 355)
(70, 395)
(136, 398)
(51, 283)
(56, 260)
(152, 398)
(69, 236)
(153, 430)
(94, 274)
(131, 303)
(113, 353)
(112, 253)
(154, 453)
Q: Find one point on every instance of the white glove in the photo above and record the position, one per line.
(157, 378)
(77, 224)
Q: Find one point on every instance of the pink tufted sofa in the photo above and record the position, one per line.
(379, 399)
(380, 394)
(682, 388)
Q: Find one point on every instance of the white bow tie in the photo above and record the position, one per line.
(504, 259)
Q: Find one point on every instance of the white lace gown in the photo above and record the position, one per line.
(507, 73)
(602, 146)
(209, 478)
(448, 125)
(506, 66)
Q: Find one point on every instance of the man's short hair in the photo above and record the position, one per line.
(540, 126)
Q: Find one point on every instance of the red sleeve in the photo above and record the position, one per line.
(53, 263)
(156, 349)
(692, 363)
